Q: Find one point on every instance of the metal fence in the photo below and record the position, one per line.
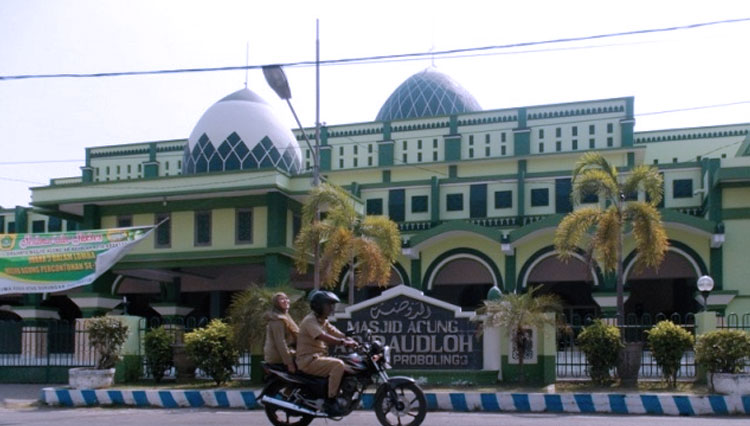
(65, 344)
(54, 343)
(572, 363)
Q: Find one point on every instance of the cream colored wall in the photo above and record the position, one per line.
(445, 190)
(566, 133)
(494, 187)
(735, 198)
(123, 162)
(735, 256)
(536, 184)
(674, 174)
(417, 191)
(489, 168)
(183, 231)
(690, 149)
(552, 163)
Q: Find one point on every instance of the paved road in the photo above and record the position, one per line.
(194, 417)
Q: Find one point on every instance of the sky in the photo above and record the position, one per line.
(46, 124)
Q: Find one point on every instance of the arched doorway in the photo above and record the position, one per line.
(572, 280)
(668, 290)
(462, 278)
(370, 290)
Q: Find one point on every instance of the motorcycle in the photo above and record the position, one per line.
(296, 399)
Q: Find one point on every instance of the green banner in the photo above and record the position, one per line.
(44, 263)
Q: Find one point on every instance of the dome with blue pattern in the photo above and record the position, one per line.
(425, 94)
(241, 132)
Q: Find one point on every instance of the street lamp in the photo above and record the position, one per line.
(276, 78)
(705, 285)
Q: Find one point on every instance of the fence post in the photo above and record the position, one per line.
(704, 322)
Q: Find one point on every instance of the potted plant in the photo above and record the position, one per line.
(106, 336)
(723, 354)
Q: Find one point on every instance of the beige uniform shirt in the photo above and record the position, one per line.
(308, 345)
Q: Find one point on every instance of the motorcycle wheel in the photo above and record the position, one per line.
(279, 416)
(409, 409)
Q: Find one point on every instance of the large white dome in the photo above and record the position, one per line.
(241, 132)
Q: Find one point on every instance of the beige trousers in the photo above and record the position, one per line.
(324, 366)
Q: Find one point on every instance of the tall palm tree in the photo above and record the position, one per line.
(368, 245)
(602, 228)
(518, 313)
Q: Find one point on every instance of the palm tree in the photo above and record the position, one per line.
(602, 228)
(518, 313)
(368, 245)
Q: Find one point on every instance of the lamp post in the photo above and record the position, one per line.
(276, 78)
(705, 285)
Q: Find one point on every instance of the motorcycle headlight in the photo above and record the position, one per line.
(387, 356)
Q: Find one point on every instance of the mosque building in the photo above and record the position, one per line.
(477, 195)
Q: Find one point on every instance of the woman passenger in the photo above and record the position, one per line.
(281, 333)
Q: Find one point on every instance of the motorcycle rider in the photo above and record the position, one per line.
(315, 334)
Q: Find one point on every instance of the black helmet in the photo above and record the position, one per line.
(321, 298)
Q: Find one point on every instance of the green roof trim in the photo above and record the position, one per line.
(452, 226)
(550, 221)
(200, 258)
(674, 216)
(733, 174)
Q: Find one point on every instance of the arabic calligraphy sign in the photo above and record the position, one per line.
(423, 332)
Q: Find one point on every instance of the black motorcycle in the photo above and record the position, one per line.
(296, 399)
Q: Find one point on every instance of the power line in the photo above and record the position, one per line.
(382, 58)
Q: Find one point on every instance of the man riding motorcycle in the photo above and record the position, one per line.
(315, 334)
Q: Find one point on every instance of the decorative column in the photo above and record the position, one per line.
(539, 365)
(34, 330)
(704, 322)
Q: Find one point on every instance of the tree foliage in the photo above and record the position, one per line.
(247, 314)
(158, 348)
(723, 351)
(668, 342)
(601, 344)
(601, 229)
(370, 244)
(213, 351)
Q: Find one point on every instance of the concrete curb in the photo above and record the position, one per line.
(612, 403)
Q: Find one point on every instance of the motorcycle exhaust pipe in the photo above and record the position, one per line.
(289, 406)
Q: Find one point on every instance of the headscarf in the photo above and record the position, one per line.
(278, 313)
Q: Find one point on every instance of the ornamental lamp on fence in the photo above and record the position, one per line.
(705, 285)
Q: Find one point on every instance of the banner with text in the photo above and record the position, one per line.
(44, 263)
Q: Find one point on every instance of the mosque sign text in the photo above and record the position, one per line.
(423, 333)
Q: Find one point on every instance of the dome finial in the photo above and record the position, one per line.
(247, 60)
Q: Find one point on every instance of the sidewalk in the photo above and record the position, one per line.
(20, 395)
(609, 403)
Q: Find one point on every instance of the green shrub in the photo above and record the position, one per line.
(213, 351)
(158, 347)
(601, 343)
(107, 335)
(723, 351)
(668, 342)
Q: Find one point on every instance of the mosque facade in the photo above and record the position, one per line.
(477, 195)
